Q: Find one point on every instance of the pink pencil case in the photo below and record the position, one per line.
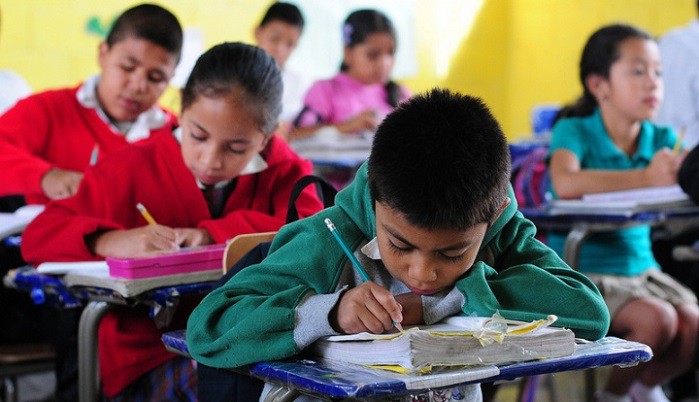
(188, 260)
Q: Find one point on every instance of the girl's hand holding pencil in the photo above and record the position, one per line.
(144, 241)
(663, 168)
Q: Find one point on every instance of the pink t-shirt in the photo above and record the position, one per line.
(342, 97)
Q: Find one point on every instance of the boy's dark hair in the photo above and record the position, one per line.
(357, 27)
(150, 22)
(237, 69)
(599, 53)
(284, 12)
(442, 160)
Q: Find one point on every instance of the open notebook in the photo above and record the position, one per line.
(454, 341)
(627, 202)
(15, 222)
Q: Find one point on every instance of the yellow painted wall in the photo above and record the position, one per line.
(518, 53)
(525, 52)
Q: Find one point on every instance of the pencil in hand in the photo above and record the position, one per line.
(678, 144)
(146, 215)
(353, 259)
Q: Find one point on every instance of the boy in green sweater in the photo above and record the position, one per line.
(432, 219)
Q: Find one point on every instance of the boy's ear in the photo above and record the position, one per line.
(504, 205)
(102, 52)
(597, 85)
(256, 34)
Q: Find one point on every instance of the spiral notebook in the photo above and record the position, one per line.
(453, 342)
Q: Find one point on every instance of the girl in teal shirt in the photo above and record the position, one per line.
(607, 143)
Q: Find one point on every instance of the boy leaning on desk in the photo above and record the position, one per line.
(432, 219)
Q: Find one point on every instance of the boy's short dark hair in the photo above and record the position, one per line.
(150, 22)
(284, 12)
(441, 159)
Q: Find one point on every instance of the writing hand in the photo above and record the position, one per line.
(662, 170)
(191, 237)
(411, 307)
(366, 308)
(145, 241)
(366, 120)
(59, 183)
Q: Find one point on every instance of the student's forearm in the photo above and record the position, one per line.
(304, 132)
(589, 181)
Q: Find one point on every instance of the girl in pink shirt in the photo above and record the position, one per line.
(362, 93)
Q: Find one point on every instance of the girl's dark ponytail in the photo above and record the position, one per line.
(394, 93)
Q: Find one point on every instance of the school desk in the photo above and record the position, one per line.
(582, 226)
(686, 253)
(160, 294)
(309, 375)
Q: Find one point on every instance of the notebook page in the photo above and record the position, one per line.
(640, 195)
(60, 268)
(446, 378)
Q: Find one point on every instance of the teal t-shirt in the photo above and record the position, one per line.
(621, 252)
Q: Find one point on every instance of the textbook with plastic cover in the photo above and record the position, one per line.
(15, 222)
(454, 341)
(626, 203)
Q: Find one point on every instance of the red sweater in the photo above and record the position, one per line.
(52, 130)
(154, 173)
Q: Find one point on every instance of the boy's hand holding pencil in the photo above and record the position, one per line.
(367, 307)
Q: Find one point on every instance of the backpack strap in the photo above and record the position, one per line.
(326, 191)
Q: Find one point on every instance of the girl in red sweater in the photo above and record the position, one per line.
(48, 139)
(221, 174)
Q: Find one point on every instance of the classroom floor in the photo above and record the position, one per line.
(560, 387)
(36, 387)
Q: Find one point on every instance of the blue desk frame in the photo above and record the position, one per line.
(337, 380)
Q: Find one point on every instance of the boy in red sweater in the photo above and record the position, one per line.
(48, 139)
(221, 174)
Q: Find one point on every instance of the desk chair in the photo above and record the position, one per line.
(542, 118)
(238, 246)
(17, 360)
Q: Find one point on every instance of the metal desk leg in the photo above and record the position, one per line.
(571, 255)
(280, 393)
(574, 241)
(88, 373)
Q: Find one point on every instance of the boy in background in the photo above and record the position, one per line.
(432, 219)
(48, 139)
(278, 34)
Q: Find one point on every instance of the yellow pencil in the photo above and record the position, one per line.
(678, 144)
(146, 215)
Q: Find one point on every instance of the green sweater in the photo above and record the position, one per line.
(254, 317)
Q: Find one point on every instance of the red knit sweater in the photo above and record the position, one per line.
(52, 130)
(154, 174)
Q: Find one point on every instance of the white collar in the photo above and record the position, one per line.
(256, 164)
(371, 249)
(152, 119)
